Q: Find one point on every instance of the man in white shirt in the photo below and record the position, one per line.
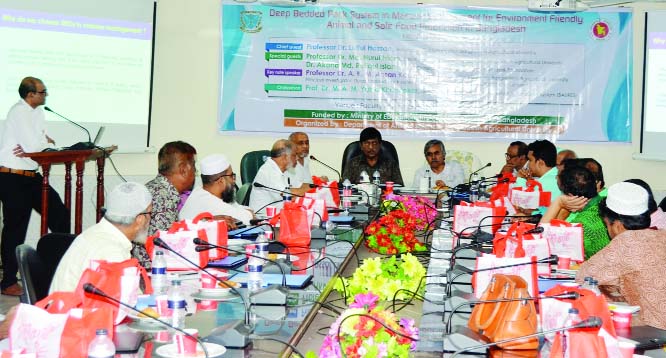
(442, 173)
(217, 194)
(272, 175)
(300, 172)
(20, 183)
(516, 160)
(126, 218)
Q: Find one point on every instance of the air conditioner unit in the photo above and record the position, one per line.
(555, 5)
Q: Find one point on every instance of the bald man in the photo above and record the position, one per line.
(273, 175)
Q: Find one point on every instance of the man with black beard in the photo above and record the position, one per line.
(217, 194)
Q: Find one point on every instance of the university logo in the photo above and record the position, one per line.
(250, 21)
(600, 30)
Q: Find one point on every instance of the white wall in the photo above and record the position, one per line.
(186, 87)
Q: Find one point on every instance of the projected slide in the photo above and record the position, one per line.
(654, 100)
(94, 58)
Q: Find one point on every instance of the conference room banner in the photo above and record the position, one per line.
(414, 70)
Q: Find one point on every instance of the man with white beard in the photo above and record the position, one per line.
(126, 218)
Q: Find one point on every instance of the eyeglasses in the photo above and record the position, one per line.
(233, 175)
(371, 143)
(434, 154)
(509, 156)
(149, 213)
(42, 92)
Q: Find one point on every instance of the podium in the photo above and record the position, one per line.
(69, 157)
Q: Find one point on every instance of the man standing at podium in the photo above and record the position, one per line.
(20, 184)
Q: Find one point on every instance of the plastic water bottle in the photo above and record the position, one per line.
(572, 319)
(586, 282)
(286, 196)
(158, 274)
(594, 287)
(262, 246)
(102, 346)
(482, 191)
(255, 273)
(346, 194)
(176, 302)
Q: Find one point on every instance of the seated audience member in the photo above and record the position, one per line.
(443, 173)
(563, 155)
(516, 159)
(176, 167)
(372, 159)
(300, 172)
(126, 218)
(578, 183)
(630, 267)
(272, 174)
(541, 155)
(657, 216)
(217, 194)
(596, 169)
(662, 204)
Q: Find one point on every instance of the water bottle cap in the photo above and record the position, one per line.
(573, 311)
(159, 253)
(175, 283)
(101, 332)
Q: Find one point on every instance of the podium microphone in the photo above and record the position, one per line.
(93, 290)
(80, 145)
(590, 322)
(327, 166)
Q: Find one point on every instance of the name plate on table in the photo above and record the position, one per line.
(293, 281)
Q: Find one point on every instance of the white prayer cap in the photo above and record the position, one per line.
(627, 199)
(214, 164)
(128, 200)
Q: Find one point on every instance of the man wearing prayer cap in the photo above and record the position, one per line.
(126, 218)
(218, 192)
(630, 268)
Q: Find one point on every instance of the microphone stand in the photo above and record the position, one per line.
(591, 322)
(327, 166)
(465, 271)
(90, 288)
(235, 331)
(477, 171)
(271, 295)
(563, 296)
(82, 145)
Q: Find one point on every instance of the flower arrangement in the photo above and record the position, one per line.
(421, 209)
(361, 331)
(385, 278)
(393, 233)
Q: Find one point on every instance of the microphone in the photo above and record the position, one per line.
(259, 185)
(80, 145)
(92, 289)
(272, 295)
(590, 322)
(204, 245)
(478, 170)
(264, 207)
(466, 271)
(536, 230)
(561, 296)
(327, 166)
(236, 331)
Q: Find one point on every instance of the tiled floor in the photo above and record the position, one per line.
(7, 302)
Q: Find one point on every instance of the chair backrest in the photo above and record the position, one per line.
(243, 194)
(469, 161)
(37, 267)
(250, 164)
(31, 269)
(354, 148)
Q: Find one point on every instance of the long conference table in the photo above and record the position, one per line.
(310, 311)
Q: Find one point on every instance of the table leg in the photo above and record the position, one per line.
(46, 169)
(68, 187)
(100, 186)
(78, 211)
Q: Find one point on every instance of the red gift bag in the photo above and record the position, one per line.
(180, 239)
(120, 280)
(328, 191)
(581, 344)
(503, 186)
(294, 225)
(565, 239)
(216, 233)
(488, 265)
(468, 216)
(517, 242)
(528, 198)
